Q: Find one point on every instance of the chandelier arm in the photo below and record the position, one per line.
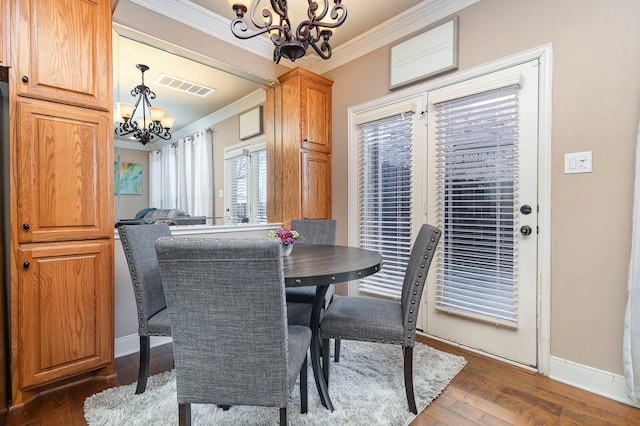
(240, 29)
(279, 6)
(320, 50)
(303, 32)
(266, 15)
(313, 7)
(339, 20)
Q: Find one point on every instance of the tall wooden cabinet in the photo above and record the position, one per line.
(61, 200)
(299, 147)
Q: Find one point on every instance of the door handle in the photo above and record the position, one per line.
(526, 230)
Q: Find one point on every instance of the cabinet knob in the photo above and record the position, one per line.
(25, 265)
(26, 226)
(25, 79)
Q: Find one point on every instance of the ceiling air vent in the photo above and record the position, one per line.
(184, 85)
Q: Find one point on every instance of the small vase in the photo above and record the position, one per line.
(286, 250)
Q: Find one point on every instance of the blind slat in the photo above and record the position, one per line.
(385, 196)
(477, 176)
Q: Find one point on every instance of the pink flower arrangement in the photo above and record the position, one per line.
(287, 236)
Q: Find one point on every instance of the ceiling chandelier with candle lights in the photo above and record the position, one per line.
(143, 121)
(288, 43)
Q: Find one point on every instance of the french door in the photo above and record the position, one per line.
(482, 192)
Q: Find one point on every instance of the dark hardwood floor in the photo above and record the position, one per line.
(485, 392)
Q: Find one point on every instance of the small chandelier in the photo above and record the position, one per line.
(142, 120)
(287, 43)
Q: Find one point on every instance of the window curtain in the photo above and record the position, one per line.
(195, 174)
(631, 341)
(163, 191)
(181, 175)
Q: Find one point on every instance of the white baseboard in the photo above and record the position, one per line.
(130, 344)
(600, 382)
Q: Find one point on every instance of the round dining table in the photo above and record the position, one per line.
(320, 266)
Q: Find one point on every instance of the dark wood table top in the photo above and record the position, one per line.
(313, 265)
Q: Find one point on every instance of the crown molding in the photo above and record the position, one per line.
(204, 20)
(402, 25)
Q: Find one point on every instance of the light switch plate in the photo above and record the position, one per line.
(577, 162)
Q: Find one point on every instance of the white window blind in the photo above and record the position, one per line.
(259, 185)
(237, 188)
(384, 188)
(246, 184)
(477, 169)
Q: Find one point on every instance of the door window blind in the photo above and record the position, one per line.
(477, 169)
(384, 188)
(237, 188)
(246, 184)
(259, 186)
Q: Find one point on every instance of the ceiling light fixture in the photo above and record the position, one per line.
(147, 122)
(287, 43)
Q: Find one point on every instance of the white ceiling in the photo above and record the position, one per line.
(185, 107)
(362, 15)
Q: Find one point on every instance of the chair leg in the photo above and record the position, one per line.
(408, 378)
(325, 359)
(184, 414)
(337, 351)
(143, 372)
(304, 394)
(284, 421)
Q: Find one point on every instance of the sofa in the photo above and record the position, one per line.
(170, 216)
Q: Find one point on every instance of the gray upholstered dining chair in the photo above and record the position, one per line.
(386, 321)
(231, 342)
(312, 231)
(138, 243)
(300, 299)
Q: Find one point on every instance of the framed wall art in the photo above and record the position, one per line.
(431, 52)
(251, 123)
(127, 178)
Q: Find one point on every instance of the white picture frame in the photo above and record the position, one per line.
(251, 123)
(419, 56)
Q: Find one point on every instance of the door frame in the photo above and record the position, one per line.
(544, 55)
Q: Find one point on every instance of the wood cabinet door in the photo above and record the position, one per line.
(64, 173)
(316, 185)
(315, 116)
(64, 301)
(64, 51)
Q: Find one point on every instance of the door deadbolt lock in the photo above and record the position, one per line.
(526, 230)
(525, 209)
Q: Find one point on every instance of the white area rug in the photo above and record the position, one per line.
(366, 387)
